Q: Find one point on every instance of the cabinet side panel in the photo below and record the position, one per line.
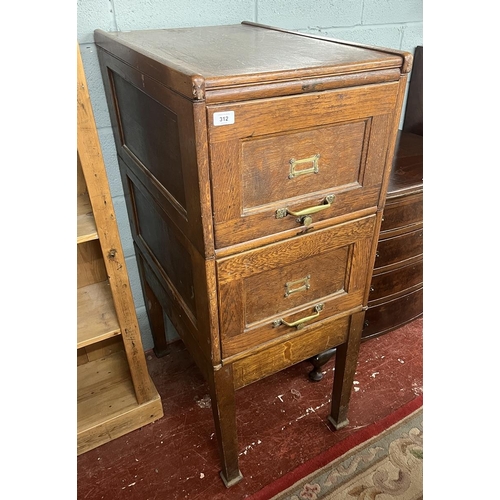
(155, 136)
(179, 275)
(167, 249)
(150, 131)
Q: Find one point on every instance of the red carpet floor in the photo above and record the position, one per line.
(281, 424)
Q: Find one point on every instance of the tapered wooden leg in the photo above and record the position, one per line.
(224, 410)
(346, 360)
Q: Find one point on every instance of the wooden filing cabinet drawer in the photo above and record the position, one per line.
(282, 155)
(394, 250)
(314, 276)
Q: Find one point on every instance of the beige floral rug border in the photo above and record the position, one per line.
(388, 466)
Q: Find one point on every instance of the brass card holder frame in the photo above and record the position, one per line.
(314, 169)
(303, 282)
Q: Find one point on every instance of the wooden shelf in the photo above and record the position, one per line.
(115, 392)
(96, 314)
(107, 407)
(86, 228)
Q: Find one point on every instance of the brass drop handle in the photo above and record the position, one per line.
(300, 322)
(304, 215)
(317, 208)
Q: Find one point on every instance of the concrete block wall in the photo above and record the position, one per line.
(388, 23)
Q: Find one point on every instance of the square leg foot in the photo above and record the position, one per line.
(159, 353)
(233, 481)
(337, 425)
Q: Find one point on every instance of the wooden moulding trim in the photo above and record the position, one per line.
(230, 90)
(405, 192)
(186, 80)
(305, 74)
(177, 75)
(230, 250)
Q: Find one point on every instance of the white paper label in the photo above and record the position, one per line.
(223, 118)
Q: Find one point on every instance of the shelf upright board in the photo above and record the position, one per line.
(115, 394)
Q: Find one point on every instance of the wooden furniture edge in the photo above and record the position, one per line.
(407, 57)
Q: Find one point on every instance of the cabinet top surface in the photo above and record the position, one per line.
(216, 53)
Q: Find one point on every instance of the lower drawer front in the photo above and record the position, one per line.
(330, 333)
(392, 314)
(395, 281)
(294, 285)
(392, 251)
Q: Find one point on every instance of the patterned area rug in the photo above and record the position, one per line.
(384, 461)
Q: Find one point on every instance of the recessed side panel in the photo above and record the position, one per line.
(159, 136)
(156, 235)
(150, 131)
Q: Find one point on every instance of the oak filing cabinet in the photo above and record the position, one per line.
(255, 164)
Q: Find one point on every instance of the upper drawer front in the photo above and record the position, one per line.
(403, 212)
(301, 281)
(273, 158)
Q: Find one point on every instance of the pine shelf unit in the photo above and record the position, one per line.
(115, 394)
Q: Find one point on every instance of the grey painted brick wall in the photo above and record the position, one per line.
(395, 24)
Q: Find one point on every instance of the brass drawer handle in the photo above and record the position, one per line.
(304, 215)
(300, 322)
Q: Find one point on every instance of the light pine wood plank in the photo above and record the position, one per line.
(86, 228)
(90, 264)
(107, 407)
(96, 314)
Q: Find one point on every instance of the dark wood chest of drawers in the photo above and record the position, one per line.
(396, 291)
(255, 164)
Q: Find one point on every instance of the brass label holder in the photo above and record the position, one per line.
(291, 286)
(314, 169)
